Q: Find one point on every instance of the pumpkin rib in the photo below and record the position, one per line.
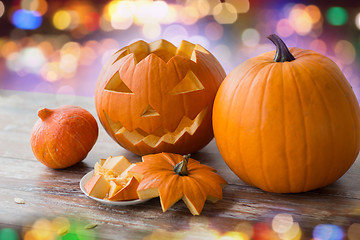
(168, 195)
(328, 115)
(229, 109)
(344, 94)
(193, 194)
(352, 110)
(214, 190)
(52, 157)
(265, 87)
(306, 174)
(169, 160)
(286, 154)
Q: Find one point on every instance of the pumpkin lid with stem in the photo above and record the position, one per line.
(173, 177)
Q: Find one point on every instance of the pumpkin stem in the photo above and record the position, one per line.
(282, 52)
(44, 113)
(181, 167)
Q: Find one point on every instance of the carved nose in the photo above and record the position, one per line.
(149, 111)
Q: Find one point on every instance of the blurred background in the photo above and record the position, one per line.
(59, 46)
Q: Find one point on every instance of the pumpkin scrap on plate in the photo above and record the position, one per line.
(112, 181)
(173, 177)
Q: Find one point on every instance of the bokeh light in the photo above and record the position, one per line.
(282, 222)
(232, 30)
(250, 37)
(214, 31)
(337, 16)
(318, 45)
(353, 232)
(225, 13)
(345, 52)
(300, 20)
(241, 6)
(284, 28)
(328, 232)
(151, 30)
(8, 234)
(2, 9)
(357, 20)
(25, 19)
(62, 19)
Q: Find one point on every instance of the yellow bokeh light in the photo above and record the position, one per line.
(201, 6)
(171, 15)
(60, 225)
(241, 6)
(121, 22)
(42, 229)
(151, 30)
(301, 21)
(189, 15)
(62, 19)
(72, 48)
(51, 71)
(225, 13)
(232, 235)
(294, 233)
(314, 13)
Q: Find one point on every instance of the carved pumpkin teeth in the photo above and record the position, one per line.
(137, 136)
(161, 48)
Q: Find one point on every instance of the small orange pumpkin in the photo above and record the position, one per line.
(154, 97)
(63, 136)
(287, 125)
(174, 177)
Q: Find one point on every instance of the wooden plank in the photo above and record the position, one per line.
(50, 193)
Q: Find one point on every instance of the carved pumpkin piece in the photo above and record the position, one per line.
(156, 93)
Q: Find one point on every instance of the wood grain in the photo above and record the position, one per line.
(51, 193)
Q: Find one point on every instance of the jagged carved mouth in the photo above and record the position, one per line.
(136, 136)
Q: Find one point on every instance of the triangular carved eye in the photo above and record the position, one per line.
(189, 83)
(117, 85)
(149, 111)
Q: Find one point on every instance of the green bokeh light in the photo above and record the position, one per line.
(8, 234)
(337, 16)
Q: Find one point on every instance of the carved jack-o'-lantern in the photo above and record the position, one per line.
(155, 97)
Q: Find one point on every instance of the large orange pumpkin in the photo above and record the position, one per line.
(155, 97)
(287, 125)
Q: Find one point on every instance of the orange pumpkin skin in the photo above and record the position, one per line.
(287, 126)
(63, 136)
(154, 97)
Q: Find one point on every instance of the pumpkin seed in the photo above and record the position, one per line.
(91, 226)
(19, 200)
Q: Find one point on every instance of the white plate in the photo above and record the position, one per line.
(86, 178)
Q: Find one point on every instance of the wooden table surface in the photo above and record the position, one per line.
(55, 194)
